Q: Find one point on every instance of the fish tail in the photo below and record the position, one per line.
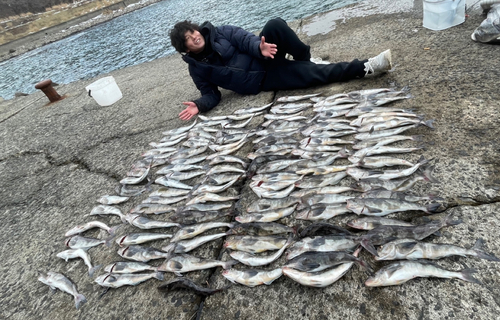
(427, 174)
(433, 207)
(418, 138)
(480, 253)
(365, 266)
(228, 264)
(428, 123)
(79, 300)
(93, 270)
(160, 276)
(369, 247)
(449, 222)
(112, 230)
(466, 275)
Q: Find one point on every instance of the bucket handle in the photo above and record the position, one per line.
(89, 93)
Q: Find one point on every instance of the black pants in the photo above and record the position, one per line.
(283, 74)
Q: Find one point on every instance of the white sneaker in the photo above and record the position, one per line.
(380, 63)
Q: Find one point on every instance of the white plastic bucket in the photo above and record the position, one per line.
(443, 14)
(105, 91)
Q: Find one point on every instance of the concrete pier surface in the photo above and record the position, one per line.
(58, 158)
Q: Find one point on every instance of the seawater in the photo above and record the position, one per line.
(141, 36)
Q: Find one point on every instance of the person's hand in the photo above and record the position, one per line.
(189, 112)
(267, 49)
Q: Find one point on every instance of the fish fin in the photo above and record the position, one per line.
(427, 174)
(103, 293)
(178, 274)
(93, 270)
(112, 230)
(160, 276)
(390, 269)
(79, 300)
(369, 247)
(448, 222)
(428, 123)
(229, 264)
(433, 207)
(467, 276)
(480, 253)
(108, 242)
(365, 265)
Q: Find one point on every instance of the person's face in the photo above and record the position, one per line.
(195, 42)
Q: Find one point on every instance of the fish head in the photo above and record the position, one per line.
(386, 252)
(375, 281)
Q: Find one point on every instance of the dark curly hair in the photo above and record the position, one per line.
(178, 34)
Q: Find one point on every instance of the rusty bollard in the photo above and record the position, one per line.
(50, 92)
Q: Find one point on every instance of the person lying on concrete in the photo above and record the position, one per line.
(232, 58)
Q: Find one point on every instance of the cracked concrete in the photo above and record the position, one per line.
(57, 159)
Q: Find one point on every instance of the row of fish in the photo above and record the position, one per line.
(292, 171)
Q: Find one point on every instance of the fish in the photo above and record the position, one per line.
(212, 206)
(238, 125)
(323, 228)
(255, 244)
(244, 116)
(297, 98)
(409, 249)
(268, 204)
(126, 190)
(188, 153)
(79, 242)
(185, 283)
(185, 246)
(386, 233)
(164, 181)
(321, 212)
(319, 261)
(129, 267)
(179, 130)
(142, 222)
(394, 123)
(217, 148)
(210, 197)
(369, 223)
(195, 216)
(163, 200)
(266, 216)
(112, 199)
(208, 188)
(320, 181)
(271, 194)
(382, 207)
(322, 243)
(116, 280)
(192, 231)
(403, 184)
(135, 180)
(400, 272)
(183, 263)
(79, 253)
(389, 194)
(383, 133)
(169, 192)
(253, 109)
(225, 169)
(141, 254)
(319, 280)
(180, 175)
(252, 277)
(229, 159)
(59, 281)
(106, 210)
(168, 143)
(219, 179)
(380, 162)
(322, 170)
(331, 134)
(138, 238)
(90, 225)
(151, 208)
(178, 167)
(191, 160)
(253, 260)
(260, 229)
(384, 141)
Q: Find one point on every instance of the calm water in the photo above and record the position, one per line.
(141, 36)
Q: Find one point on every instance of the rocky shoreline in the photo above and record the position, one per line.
(44, 37)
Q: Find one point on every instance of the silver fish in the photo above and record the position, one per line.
(106, 210)
(90, 225)
(369, 223)
(179, 176)
(384, 141)
(178, 167)
(169, 192)
(268, 204)
(112, 199)
(57, 280)
(79, 242)
(322, 212)
(228, 159)
(210, 197)
(244, 116)
(320, 181)
(253, 110)
(179, 130)
(79, 253)
(319, 280)
(266, 216)
(213, 189)
(129, 267)
(182, 263)
(162, 200)
(252, 277)
(116, 280)
(168, 143)
(321, 244)
(224, 168)
(142, 222)
(255, 244)
(141, 254)
(382, 207)
(297, 98)
(164, 181)
(402, 271)
(135, 180)
(138, 238)
(250, 259)
(185, 246)
(213, 206)
(189, 232)
(411, 250)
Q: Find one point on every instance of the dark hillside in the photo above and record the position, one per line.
(17, 7)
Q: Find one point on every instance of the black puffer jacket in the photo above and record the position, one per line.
(242, 70)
